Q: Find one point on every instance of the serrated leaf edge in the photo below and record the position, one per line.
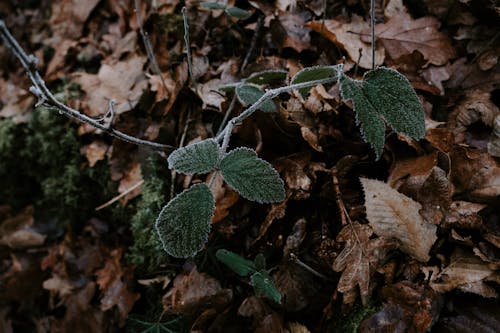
(212, 208)
(266, 162)
(177, 152)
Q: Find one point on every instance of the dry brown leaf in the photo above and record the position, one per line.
(291, 31)
(94, 152)
(297, 328)
(122, 82)
(209, 95)
(194, 292)
(60, 286)
(464, 215)
(358, 260)
(440, 138)
(407, 307)
(68, 18)
(113, 280)
(348, 37)
(464, 271)
(494, 144)
(435, 75)
(394, 215)
(296, 286)
(435, 196)
(15, 102)
(402, 35)
(17, 233)
(311, 138)
(477, 173)
(131, 179)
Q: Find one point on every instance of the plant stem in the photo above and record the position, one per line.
(269, 94)
(45, 96)
(372, 27)
(188, 47)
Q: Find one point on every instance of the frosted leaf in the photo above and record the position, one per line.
(184, 223)
(314, 73)
(237, 263)
(263, 284)
(252, 177)
(267, 77)
(198, 157)
(384, 94)
(248, 94)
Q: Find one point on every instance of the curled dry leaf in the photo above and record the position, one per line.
(494, 144)
(464, 215)
(131, 179)
(17, 232)
(435, 196)
(94, 152)
(291, 31)
(394, 215)
(194, 292)
(476, 172)
(348, 37)
(465, 272)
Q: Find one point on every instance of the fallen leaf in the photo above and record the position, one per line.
(17, 232)
(402, 35)
(113, 281)
(60, 286)
(465, 272)
(209, 95)
(296, 285)
(131, 179)
(122, 82)
(94, 152)
(194, 292)
(494, 144)
(291, 31)
(358, 260)
(394, 215)
(464, 215)
(68, 18)
(348, 37)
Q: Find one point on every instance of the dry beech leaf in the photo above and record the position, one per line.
(402, 35)
(348, 37)
(435, 196)
(122, 82)
(394, 215)
(464, 215)
(94, 152)
(17, 232)
(465, 272)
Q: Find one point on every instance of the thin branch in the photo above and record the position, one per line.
(121, 195)
(46, 98)
(269, 94)
(147, 45)
(255, 37)
(188, 44)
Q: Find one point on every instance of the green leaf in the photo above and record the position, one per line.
(238, 12)
(252, 177)
(237, 263)
(384, 94)
(198, 157)
(309, 74)
(260, 262)
(263, 284)
(184, 223)
(213, 5)
(268, 77)
(230, 87)
(248, 94)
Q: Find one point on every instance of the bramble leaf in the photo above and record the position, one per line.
(248, 94)
(212, 5)
(384, 94)
(267, 77)
(238, 12)
(252, 177)
(199, 157)
(314, 73)
(263, 284)
(184, 223)
(237, 263)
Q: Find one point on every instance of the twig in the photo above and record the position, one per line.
(225, 134)
(118, 197)
(147, 45)
(188, 44)
(226, 115)
(46, 98)
(255, 37)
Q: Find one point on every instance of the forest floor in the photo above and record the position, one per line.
(409, 242)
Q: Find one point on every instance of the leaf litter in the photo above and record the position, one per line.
(416, 241)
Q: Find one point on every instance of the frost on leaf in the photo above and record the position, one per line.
(184, 223)
(394, 215)
(252, 177)
(263, 284)
(267, 77)
(237, 263)
(384, 94)
(248, 94)
(309, 74)
(198, 157)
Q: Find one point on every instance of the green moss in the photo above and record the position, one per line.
(350, 323)
(147, 252)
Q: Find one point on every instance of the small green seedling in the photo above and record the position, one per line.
(259, 278)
